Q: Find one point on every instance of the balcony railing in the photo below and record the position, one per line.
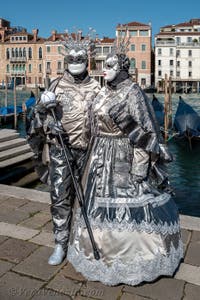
(22, 59)
(60, 71)
(17, 72)
(48, 71)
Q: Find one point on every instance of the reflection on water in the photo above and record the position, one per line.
(184, 171)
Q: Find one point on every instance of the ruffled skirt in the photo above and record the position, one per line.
(135, 226)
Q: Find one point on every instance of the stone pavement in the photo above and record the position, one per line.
(26, 242)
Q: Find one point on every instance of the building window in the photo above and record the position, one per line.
(105, 50)
(189, 52)
(159, 62)
(132, 63)
(171, 73)
(143, 64)
(20, 52)
(29, 52)
(132, 47)
(178, 73)
(48, 49)
(7, 53)
(178, 63)
(190, 74)
(178, 53)
(24, 52)
(29, 68)
(16, 52)
(171, 62)
(40, 53)
(59, 65)
(189, 39)
(143, 47)
(178, 40)
(48, 66)
(159, 73)
(143, 81)
(40, 68)
(132, 32)
(159, 51)
(8, 68)
(144, 32)
(190, 63)
(171, 51)
(121, 33)
(59, 49)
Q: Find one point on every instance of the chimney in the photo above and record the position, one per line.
(54, 32)
(35, 34)
(2, 36)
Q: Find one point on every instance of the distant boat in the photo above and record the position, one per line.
(7, 112)
(159, 110)
(187, 122)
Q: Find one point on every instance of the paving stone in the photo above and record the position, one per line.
(195, 236)
(45, 239)
(16, 287)
(45, 294)
(5, 266)
(156, 290)
(10, 215)
(14, 202)
(37, 221)
(83, 298)
(48, 227)
(98, 290)
(193, 254)
(36, 265)
(69, 272)
(126, 296)
(190, 223)
(15, 250)
(3, 239)
(24, 193)
(185, 236)
(33, 207)
(64, 285)
(17, 231)
(189, 273)
(192, 292)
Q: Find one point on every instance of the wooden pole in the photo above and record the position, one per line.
(15, 104)
(170, 104)
(166, 106)
(6, 92)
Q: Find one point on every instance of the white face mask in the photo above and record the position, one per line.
(77, 62)
(111, 68)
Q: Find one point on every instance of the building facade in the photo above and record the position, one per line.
(177, 54)
(140, 50)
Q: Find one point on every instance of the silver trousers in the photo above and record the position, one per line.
(62, 190)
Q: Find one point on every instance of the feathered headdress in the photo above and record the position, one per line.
(122, 42)
(76, 41)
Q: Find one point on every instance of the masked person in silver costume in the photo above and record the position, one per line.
(69, 96)
(134, 220)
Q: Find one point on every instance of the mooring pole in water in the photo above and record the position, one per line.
(6, 92)
(15, 104)
(167, 106)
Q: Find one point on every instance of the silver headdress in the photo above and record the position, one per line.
(76, 41)
(122, 42)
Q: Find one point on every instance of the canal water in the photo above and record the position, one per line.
(184, 171)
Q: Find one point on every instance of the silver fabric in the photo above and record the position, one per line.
(135, 222)
(73, 99)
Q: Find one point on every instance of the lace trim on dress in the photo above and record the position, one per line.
(132, 273)
(143, 226)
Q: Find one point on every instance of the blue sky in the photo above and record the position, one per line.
(102, 15)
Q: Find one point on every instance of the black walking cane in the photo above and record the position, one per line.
(79, 193)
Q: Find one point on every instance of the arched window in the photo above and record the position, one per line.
(29, 68)
(20, 52)
(40, 53)
(16, 52)
(7, 53)
(29, 52)
(24, 52)
(132, 63)
(13, 52)
(8, 68)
